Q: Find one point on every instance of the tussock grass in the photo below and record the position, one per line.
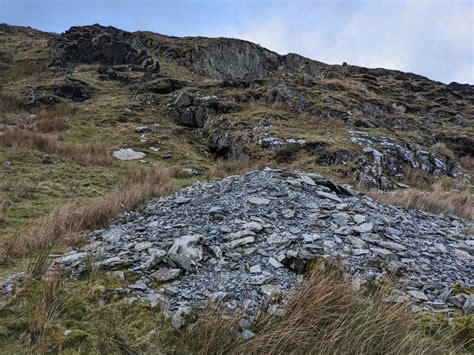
(9, 103)
(53, 119)
(52, 302)
(326, 316)
(20, 141)
(87, 153)
(28, 69)
(445, 196)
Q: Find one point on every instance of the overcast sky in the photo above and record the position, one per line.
(434, 38)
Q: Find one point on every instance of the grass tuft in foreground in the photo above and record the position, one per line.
(326, 316)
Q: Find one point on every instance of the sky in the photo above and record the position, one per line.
(434, 38)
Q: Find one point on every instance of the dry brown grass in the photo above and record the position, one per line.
(65, 221)
(224, 168)
(349, 85)
(328, 121)
(9, 103)
(467, 163)
(252, 105)
(28, 68)
(25, 140)
(445, 196)
(21, 190)
(325, 317)
(443, 149)
(54, 119)
(87, 67)
(87, 153)
(20, 141)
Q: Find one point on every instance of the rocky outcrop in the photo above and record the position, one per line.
(98, 44)
(388, 160)
(238, 240)
(48, 95)
(193, 111)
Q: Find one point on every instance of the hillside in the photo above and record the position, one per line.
(96, 122)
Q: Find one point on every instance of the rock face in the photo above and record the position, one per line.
(220, 58)
(238, 240)
(98, 44)
(193, 111)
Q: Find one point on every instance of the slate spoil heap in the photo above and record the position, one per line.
(238, 240)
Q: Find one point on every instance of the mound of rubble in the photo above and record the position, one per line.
(238, 240)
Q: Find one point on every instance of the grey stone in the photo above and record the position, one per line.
(468, 307)
(256, 269)
(188, 246)
(418, 295)
(127, 154)
(142, 246)
(179, 318)
(164, 275)
(253, 226)
(274, 263)
(247, 334)
(259, 201)
(364, 228)
(142, 129)
(329, 196)
(359, 218)
(239, 242)
(269, 289)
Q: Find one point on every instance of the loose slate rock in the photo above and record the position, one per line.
(259, 201)
(232, 236)
(164, 275)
